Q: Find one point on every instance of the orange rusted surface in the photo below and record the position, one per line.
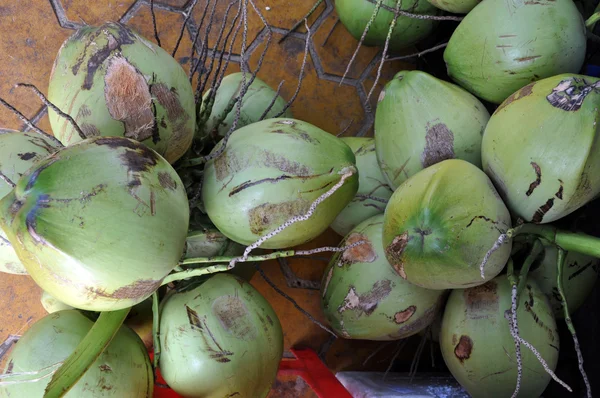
(32, 33)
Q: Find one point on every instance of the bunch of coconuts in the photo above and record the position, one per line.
(461, 206)
(99, 217)
(446, 212)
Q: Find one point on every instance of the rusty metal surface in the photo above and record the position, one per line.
(31, 33)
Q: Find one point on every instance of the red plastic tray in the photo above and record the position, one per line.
(306, 365)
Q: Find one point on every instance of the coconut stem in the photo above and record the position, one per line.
(503, 238)
(155, 331)
(568, 321)
(264, 257)
(514, 330)
(7, 180)
(569, 241)
(54, 108)
(384, 54)
(301, 76)
(429, 50)
(511, 316)
(86, 353)
(188, 14)
(348, 172)
(304, 18)
(591, 21)
(362, 38)
(536, 250)
(190, 273)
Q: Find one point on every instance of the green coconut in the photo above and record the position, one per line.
(18, 152)
(114, 82)
(421, 120)
(258, 98)
(541, 147)
(122, 370)
(440, 224)
(222, 339)
(501, 46)
(355, 15)
(455, 6)
(579, 277)
(99, 224)
(212, 243)
(477, 345)
(373, 190)
(52, 304)
(362, 296)
(274, 170)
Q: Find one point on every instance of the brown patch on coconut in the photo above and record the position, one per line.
(268, 216)
(89, 130)
(538, 179)
(464, 348)
(368, 302)
(234, 317)
(439, 145)
(405, 315)
(363, 253)
(166, 181)
(524, 92)
(482, 301)
(181, 135)
(140, 288)
(395, 251)
(128, 98)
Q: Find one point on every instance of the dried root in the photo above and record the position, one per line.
(362, 38)
(54, 108)
(570, 326)
(29, 124)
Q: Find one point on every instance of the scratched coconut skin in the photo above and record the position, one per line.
(98, 224)
(371, 182)
(503, 45)
(272, 171)
(19, 151)
(211, 332)
(440, 224)
(258, 97)
(474, 318)
(122, 370)
(541, 147)
(362, 296)
(114, 82)
(421, 120)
